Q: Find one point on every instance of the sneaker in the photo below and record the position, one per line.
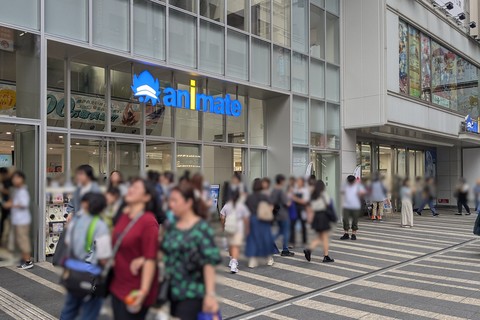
(308, 254)
(345, 237)
(436, 214)
(230, 263)
(354, 237)
(418, 213)
(328, 259)
(26, 265)
(270, 261)
(234, 266)
(287, 253)
(458, 214)
(468, 213)
(252, 263)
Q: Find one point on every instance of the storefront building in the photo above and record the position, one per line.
(410, 91)
(255, 83)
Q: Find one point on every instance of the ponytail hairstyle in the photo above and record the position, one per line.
(188, 192)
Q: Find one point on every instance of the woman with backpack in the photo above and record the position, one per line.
(321, 215)
(234, 217)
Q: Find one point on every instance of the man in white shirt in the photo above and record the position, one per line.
(352, 192)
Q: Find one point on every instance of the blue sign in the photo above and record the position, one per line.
(471, 125)
(147, 88)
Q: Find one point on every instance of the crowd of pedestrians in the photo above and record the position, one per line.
(146, 242)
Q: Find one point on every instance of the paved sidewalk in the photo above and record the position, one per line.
(428, 272)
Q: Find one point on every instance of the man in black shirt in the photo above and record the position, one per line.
(6, 184)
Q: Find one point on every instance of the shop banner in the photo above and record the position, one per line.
(414, 61)
(403, 60)
(426, 71)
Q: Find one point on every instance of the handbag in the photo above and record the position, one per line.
(231, 221)
(330, 210)
(81, 278)
(264, 212)
(209, 316)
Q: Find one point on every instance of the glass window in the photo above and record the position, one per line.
(281, 22)
(414, 62)
(185, 4)
(111, 23)
(333, 83)
(300, 161)
(236, 125)
(182, 38)
(467, 88)
(126, 112)
(91, 152)
(212, 39)
(333, 6)
(332, 45)
(159, 118)
(219, 163)
(187, 123)
(88, 97)
(56, 152)
(188, 158)
(260, 61)
(444, 69)
(19, 74)
(300, 120)
(236, 14)
(317, 78)
(212, 9)
(317, 123)
(23, 13)
(317, 32)
(257, 164)
(260, 17)
(366, 160)
(333, 126)
(158, 156)
(403, 57)
(237, 55)
(149, 29)
(319, 3)
(56, 111)
(256, 114)
(281, 68)
(213, 124)
(69, 25)
(300, 25)
(124, 157)
(299, 73)
(425, 67)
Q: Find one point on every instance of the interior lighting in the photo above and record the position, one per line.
(8, 132)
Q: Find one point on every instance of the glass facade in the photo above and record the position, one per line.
(267, 54)
(433, 73)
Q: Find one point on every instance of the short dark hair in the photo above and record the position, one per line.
(257, 185)
(88, 170)
(279, 178)
(153, 176)
(96, 202)
(19, 174)
(351, 179)
(3, 170)
(114, 191)
(169, 176)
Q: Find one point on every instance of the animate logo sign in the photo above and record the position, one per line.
(471, 125)
(147, 89)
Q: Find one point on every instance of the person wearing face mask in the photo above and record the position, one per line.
(86, 182)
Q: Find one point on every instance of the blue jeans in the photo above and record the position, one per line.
(90, 307)
(284, 231)
(431, 204)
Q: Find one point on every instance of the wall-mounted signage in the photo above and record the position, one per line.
(471, 125)
(147, 89)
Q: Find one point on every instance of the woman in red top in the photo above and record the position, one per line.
(140, 241)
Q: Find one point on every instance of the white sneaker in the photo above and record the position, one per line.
(26, 265)
(234, 266)
(252, 263)
(230, 263)
(270, 261)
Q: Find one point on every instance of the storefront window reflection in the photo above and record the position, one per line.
(187, 122)
(236, 125)
(256, 114)
(149, 29)
(188, 158)
(317, 123)
(212, 9)
(56, 152)
(159, 156)
(333, 126)
(300, 161)
(281, 68)
(260, 17)
(126, 111)
(281, 22)
(237, 14)
(55, 84)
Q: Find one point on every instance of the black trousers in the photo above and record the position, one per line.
(462, 202)
(5, 214)
(186, 309)
(120, 311)
(293, 231)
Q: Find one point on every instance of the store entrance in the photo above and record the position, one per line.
(326, 167)
(106, 155)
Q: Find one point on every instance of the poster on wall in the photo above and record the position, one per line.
(430, 163)
(414, 61)
(403, 61)
(426, 72)
(444, 77)
(467, 87)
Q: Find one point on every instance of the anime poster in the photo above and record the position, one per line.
(467, 87)
(414, 62)
(426, 71)
(444, 77)
(403, 60)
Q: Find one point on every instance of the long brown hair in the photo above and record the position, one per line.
(188, 192)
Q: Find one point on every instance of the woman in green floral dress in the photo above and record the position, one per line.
(190, 256)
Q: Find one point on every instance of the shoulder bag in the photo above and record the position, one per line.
(330, 210)
(231, 221)
(265, 212)
(82, 279)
